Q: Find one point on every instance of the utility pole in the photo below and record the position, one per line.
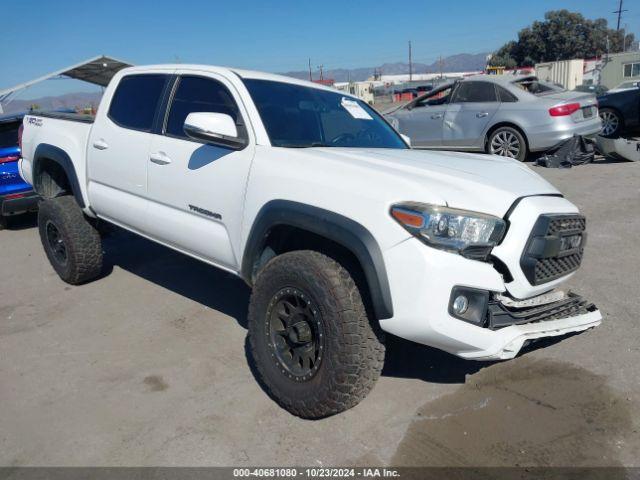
(619, 12)
(410, 64)
(310, 77)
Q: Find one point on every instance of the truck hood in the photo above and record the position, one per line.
(476, 182)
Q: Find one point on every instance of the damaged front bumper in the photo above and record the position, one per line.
(516, 323)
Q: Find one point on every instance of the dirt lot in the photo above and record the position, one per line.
(147, 367)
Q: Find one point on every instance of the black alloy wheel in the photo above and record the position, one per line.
(295, 330)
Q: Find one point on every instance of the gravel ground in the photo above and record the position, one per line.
(147, 366)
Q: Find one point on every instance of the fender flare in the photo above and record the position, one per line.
(59, 156)
(332, 226)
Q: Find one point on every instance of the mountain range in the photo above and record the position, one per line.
(66, 101)
(463, 62)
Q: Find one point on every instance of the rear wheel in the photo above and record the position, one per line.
(612, 122)
(507, 142)
(311, 341)
(71, 243)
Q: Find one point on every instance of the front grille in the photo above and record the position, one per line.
(548, 269)
(555, 248)
(499, 315)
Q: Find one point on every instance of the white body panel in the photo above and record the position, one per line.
(150, 183)
(71, 137)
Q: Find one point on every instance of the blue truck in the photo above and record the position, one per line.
(16, 196)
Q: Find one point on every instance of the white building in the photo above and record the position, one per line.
(362, 90)
(420, 77)
(568, 73)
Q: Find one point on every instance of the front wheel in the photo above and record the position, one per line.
(507, 142)
(311, 341)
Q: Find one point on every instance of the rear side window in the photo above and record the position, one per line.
(197, 94)
(475, 92)
(505, 95)
(136, 100)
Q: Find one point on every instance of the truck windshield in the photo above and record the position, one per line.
(300, 117)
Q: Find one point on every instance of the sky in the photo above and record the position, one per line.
(276, 36)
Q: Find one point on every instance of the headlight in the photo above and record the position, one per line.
(470, 234)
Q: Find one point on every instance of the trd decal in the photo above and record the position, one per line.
(35, 121)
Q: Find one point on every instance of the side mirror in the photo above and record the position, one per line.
(406, 139)
(214, 128)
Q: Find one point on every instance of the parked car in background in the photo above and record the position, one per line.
(498, 114)
(619, 111)
(628, 85)
(594, 89)
(16, 196)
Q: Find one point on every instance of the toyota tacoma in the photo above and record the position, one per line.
(341, 229)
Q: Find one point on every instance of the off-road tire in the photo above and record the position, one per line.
(508, 132)
(81, 241)
(354, 350)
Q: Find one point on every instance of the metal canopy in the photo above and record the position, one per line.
(98, 70)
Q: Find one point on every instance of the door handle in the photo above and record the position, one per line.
(100, 145)
(482, 114)
(160, 158)
(436, 116)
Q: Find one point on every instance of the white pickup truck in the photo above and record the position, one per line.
(310, 196)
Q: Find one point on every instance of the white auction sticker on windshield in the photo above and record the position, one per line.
(355, 110)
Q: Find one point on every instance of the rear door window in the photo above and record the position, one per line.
(135, 102)
(475, 92)
(198, 94)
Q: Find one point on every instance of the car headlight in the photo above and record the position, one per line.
(470, 234)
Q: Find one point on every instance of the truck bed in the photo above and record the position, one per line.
(72, 117)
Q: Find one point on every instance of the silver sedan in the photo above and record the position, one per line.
(498, 114)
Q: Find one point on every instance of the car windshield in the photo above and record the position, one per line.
(296, 116)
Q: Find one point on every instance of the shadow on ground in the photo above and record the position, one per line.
(179, 273)
(23, 221)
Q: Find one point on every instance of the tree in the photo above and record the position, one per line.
(497, 60)
(563, 35)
